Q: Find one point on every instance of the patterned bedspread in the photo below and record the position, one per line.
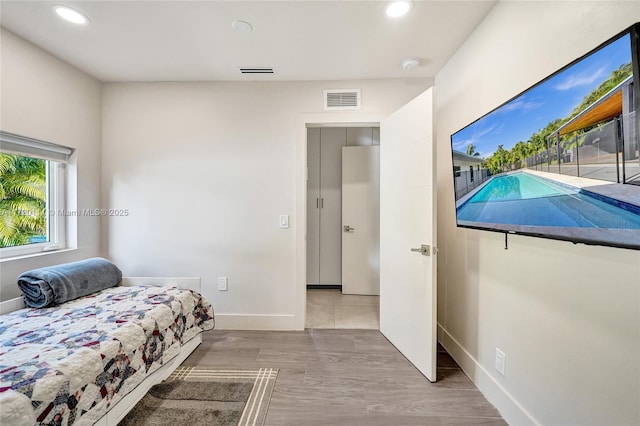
(68, 364)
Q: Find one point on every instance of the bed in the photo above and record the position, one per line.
(90, 360)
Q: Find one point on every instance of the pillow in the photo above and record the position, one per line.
(57, 284)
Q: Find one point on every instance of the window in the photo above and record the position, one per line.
(456, 170)
(32, 195)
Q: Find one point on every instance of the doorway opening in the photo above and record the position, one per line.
(342, 253)
(407, 222)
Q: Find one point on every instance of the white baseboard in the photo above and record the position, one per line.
(510, 409)
(255, 322)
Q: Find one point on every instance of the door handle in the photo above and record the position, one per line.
(424, 250)
(347, 228)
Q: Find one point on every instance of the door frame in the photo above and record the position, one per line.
(303, 121)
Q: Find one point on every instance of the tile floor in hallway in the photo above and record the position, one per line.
(332, 309)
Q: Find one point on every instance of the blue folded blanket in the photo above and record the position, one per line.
(57, 284)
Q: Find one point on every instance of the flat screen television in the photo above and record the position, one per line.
(561, 159)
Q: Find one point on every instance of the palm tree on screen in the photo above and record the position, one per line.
(471, 150)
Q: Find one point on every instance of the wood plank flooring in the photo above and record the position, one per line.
(347, 377)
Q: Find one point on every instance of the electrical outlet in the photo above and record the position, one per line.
(501, 362)
(222, 284)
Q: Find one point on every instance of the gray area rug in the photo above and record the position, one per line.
(201, 396)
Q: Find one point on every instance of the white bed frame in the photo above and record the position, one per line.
(127, 402)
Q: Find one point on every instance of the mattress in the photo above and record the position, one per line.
(68, 364)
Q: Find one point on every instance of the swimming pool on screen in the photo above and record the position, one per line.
(523, 199)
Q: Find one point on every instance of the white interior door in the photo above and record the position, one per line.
(361, 220)
(407, 221)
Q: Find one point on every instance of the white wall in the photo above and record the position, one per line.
(45, 98)
(205, 170)
(567, 316)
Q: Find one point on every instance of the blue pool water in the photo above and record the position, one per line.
(523, 199)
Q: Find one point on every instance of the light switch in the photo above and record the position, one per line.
(284, 221)
(222, 284)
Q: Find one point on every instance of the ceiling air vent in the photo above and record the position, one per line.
(342, 100)
(257, 70)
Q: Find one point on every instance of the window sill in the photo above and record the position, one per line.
(32, 255)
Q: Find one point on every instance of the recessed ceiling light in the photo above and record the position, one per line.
(71, 15)
(242, 26)
(398, 8)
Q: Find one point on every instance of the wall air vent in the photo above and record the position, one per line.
(342, 100)
(257, 70)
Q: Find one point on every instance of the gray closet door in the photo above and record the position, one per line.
(313, 206)
(359, 136)
(332, 140)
